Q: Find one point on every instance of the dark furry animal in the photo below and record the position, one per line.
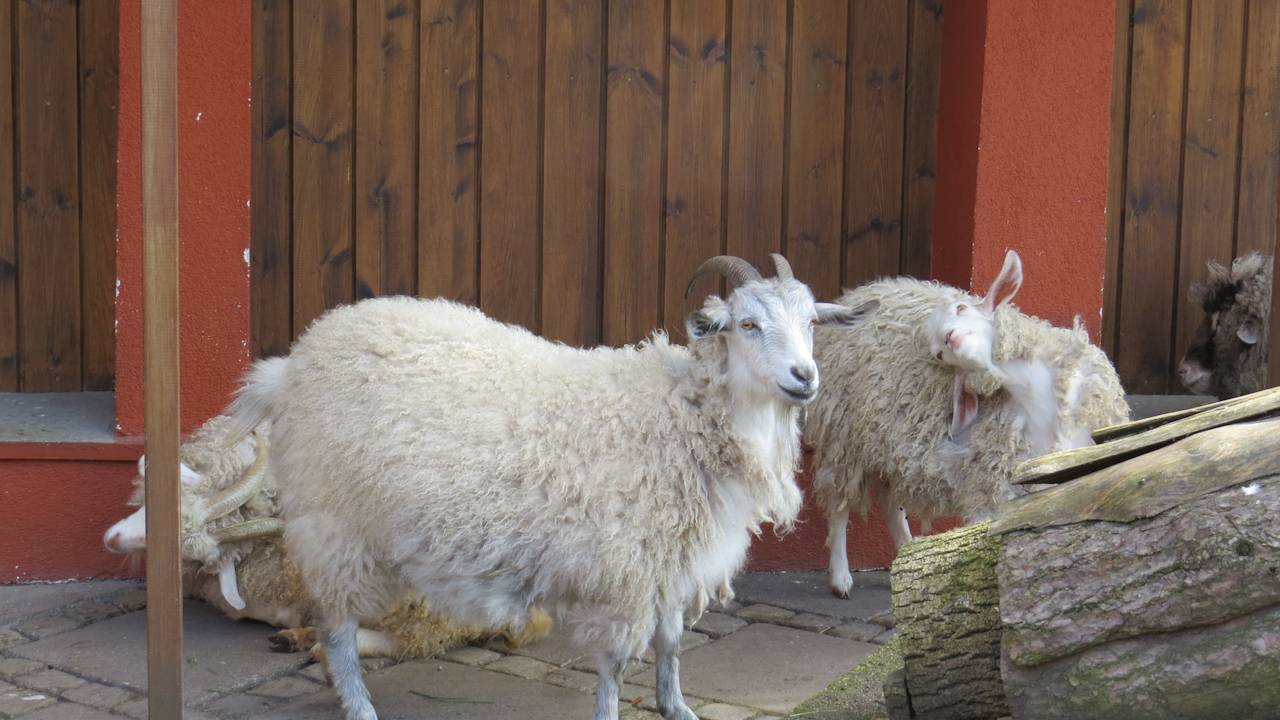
(1228, 354)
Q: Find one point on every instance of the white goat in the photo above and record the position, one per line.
(901, 419)
(233, 557)
(419, 443)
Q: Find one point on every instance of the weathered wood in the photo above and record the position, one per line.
(271, 222)
(920, 154)
(1118, 141)
(1115, 432)
(8, 243)
(1259, 132)
(1149, 484)
(1069, 464)
(946, 602)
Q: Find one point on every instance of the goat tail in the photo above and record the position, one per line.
(256, 396)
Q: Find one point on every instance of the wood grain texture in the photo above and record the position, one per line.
(1116, 156)
(875, 110)
(571, 173)
(271, 220)
(1145, 324)
(323, 272)
(1259, 132)
(1273, 339)
(1212, 137)
(448, 156)
(695, 151)
(509, 164)
(386, 171)
(924, 70)
(99, 33)
(8, 239)
(634, 127)
(757, 122)
(48, 197)
(815, 153)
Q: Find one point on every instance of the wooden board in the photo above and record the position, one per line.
(635, 103)
(48, 197)
(571, 148)
(1144, 352)
(323, 146)
(271, 223)
(924, 71)
(509, 175)
(448, 136)
(99, 33)
(8, 243)
(695, 151)
(875, 111)
(1259, 132)
(815, 143)
(386, 170)
(1116, 156)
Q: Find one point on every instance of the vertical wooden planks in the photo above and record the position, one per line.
(1151, 205)
(1116, 154)
(875, 111)
(322, 158)
(924, 69)
(8, 240)
(386, 191)
(509, 164)
(695, 151)
(571, 199)
(634, 102)
(757, 117)
(815, 156)
(1259, 131)
(99, 78)
(271, 219)
(48, 197)
(1212, 145)
(448, 164)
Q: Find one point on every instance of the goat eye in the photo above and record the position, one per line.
(813, 321)
(961, 308)
(747, 325)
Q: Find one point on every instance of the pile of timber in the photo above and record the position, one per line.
(1143, 581)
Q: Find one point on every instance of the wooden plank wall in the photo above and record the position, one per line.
(1194, 158)
(567, 164)
(58, 92)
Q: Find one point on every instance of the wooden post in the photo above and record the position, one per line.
(160, 353)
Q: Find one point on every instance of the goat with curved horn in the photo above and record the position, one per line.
(243, 489)
(781, 268)
(737, 270)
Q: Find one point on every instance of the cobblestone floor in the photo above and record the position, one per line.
(75, 651)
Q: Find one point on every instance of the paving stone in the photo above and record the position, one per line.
(136, 709)
(71, 711)
(884, 637)
(46, 626)
(767, 667)
(50, 682)
(470, 655)
(557, 648)
(634, 667)
(414, 690)
(289, 686)
(91, 612)
(373, 664)
(810, 622)
(315, 671)
(885, 620)
(808, 592)
(223, 656)
(631, 713)
(22, 601)
(647, 698)
(242, 705)
(20, 701)
(99, 696)
(728, 608)
(721, 711)
(584, 682)
(9, 638)
(717, 625)
(11, 668)
(688, 641)
(860, 631)
(131, 601)
(519, 666)
(764, 613)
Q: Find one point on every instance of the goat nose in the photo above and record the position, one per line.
(803, 373)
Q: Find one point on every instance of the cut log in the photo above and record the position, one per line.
(1115, 432)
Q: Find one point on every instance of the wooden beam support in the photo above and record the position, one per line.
(160, 353)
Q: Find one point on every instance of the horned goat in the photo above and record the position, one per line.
(233, 557)
(420, 443)
(1227, 356)
(900, 418)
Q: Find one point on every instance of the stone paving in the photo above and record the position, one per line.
(76, 651)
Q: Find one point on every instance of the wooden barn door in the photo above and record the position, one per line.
(1195, 146)
(58, 94)
(567, 164)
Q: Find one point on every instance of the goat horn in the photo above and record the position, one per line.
(251, 530)
(243, 489)
(781, 268)
(738, 271)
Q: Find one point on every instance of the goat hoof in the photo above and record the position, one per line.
(841, 584)
(293, 640)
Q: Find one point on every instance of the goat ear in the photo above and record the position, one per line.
(964, 405)
(1006, 284)
(704, 324)
(1249, 333)
(832, 314)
